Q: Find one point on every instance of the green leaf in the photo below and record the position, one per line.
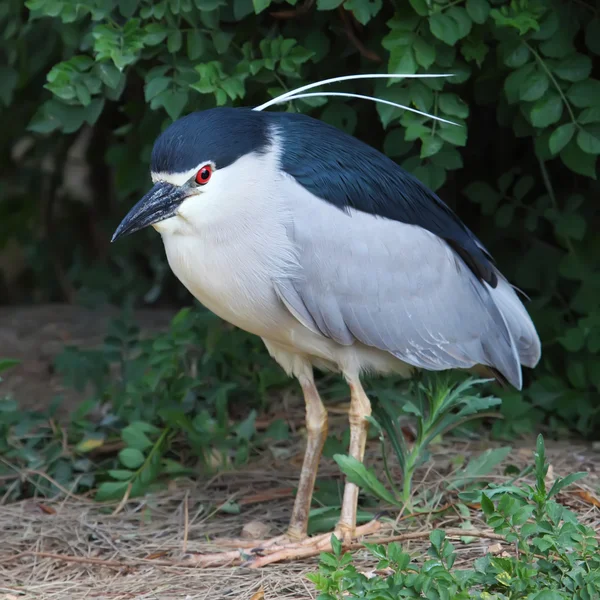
(523, 186)
(516, 55)
(560, 484)
(358, 474)
(395, 145)
(394, 93)
(474, 49)
(480, 466)
(431, 175)
(444, 28)
(560, 137)
(478, 10)
(453, 105)
(402, 61)
(455, 134)
(589, 115)
(449, 158)
(260, 5)
(155, 33)
(436, 537)
(574, 68)
(420, 7)
(174, 102)
(363, 10)
(156, 86)
(424, 52)
(573, 340)
(120, 474)
(547, 110)
(196, 44)
(131, 458)
(534, 87)
(584, 93)
(8, 363)
(588, 139)
(487, 506)
(109, 74)
(127, 8)
(328, 4)
(340, 115)
(578, 161)
(174, 41)
(421, 96)
(431, 145)
(462, 20)
(111, 490)
(504, 215)
(571, 225)
(513, 83)
(135, 438)
(221, 41)
(336, 545)
(145, 427)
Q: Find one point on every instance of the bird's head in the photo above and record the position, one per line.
(200, 166)
(210, 165)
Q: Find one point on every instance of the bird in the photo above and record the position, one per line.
(338, 258)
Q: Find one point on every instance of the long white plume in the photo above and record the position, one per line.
(298, 94)
(372, 98)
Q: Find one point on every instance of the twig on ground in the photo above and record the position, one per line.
(186, 522)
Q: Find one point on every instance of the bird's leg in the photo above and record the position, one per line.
(295, 544)
(360, 408)
(316, 428)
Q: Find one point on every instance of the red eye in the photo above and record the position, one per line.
(203, 175)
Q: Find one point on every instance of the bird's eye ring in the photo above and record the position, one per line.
(203, 175)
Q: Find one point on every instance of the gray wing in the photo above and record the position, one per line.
(398, 288)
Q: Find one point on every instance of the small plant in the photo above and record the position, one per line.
(548, 555)
(158, 407)
(439, 407)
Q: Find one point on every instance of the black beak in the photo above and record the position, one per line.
(158, 204)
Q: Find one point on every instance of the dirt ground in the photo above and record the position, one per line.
(72, 548)
(35, 335)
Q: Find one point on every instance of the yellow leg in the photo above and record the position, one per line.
(360, 407)
(316, 427)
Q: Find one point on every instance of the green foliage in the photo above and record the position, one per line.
(521, 170)
(158, 408)
(551, 556)
(439, 407)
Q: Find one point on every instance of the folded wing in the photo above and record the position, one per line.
(402, 289)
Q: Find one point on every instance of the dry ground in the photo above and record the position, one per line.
(73, 548)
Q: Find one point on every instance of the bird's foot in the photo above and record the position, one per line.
(281, 548)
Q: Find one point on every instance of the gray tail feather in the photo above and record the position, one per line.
(519, 323)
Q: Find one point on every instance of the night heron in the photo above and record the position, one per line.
(334, 255)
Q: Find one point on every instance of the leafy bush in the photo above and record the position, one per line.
(157, 408)
(551, 556)
(521, 171)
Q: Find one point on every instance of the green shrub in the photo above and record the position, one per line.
(156, 408)
(549, 555)
(521, 172)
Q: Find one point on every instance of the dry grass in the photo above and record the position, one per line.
(73, 548)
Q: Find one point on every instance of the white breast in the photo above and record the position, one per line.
(233, 280)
